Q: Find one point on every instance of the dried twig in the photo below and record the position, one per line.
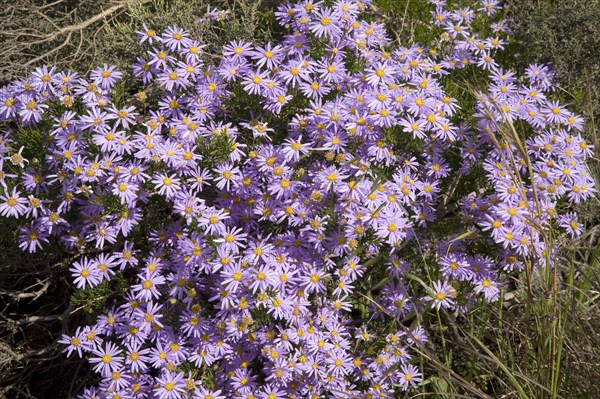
(32, 34)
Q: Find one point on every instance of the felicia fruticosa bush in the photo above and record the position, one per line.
(248, 196)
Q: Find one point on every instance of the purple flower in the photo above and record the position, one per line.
(227, 175)
(443, 295)
(237, 50)
(107, 360)
(123, 117)
(409, 376)
(167, 185)
(324, 24)
(212, 221)
(42, 78)
(147, 289)
(255, 83)
(31, 238)
(175, 38)
(106, 76)
(85, 273)
(488, 287)
(31, 110)
(12, 204)
(570, 224)
(148, 35)
(170, 385)
(75, 343)
(267, 56)
(203, 393)
(104, 232)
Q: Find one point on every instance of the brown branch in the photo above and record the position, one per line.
(37, 319)
(85, 24)
(30, 35)
(49, 52)
(51, 4)
(22, 295)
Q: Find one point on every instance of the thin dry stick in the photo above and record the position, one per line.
(49, 35)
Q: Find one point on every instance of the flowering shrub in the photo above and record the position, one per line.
(276, 211)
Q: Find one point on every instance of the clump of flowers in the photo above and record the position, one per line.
(268, 208)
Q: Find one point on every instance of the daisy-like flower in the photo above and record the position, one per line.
(42, 78)
(280, 307)
(331, 176)
(580, 190)
(267, 56)
(193, 50)
(226, 176)
(315, 89)
(570, 224)
(314, 281)
(254, 83)
(12, 204)
(555, 113)
(332, 71)
(170, 385)
(203, 393)
(127, 257)
(393, 228)
(85, 273)
(106, 76)
(104, 232)
(282, 188)
(486, 61)
(149, 284)
(453, 266)
(173, 79)
(175, 38)
(234, 239)
(167, 185)
(260, 130)
(32, 109)
(148, 35)
(75, 343)
(443, 295)
(198, 178)
(409, 376)
(149, 317)
(8, 107)
(105, 263)
(233, 275)
(136, 357)
(325, 23)
(144, 69)
(212, 221)
(295, 72)
(263, 278)
(126, 191)
(123, 117)
(294, 148)
(416, 127)
(380, 73)
(339, 363)
(107, 359)
(237, 50)
(95, 120)
(489, 287)
(36, 208)
(31, 238)
(417, 336)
